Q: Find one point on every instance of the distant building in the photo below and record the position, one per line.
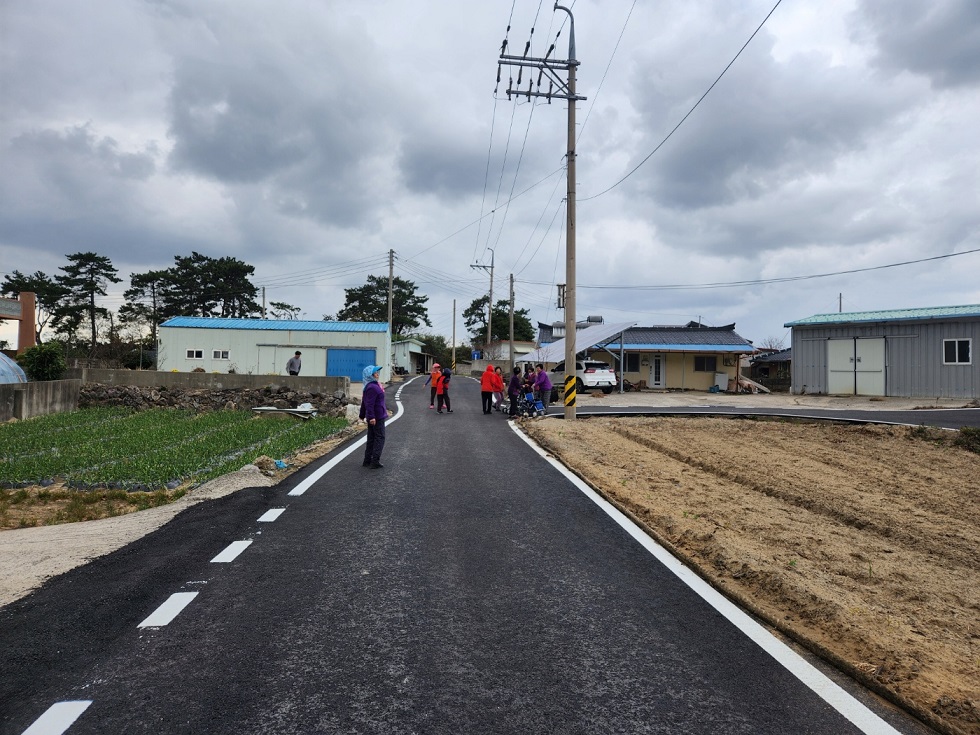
(262, 346)
(925, 353)
(690, 356)
(408, 357)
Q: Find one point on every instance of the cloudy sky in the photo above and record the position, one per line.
(310, 138)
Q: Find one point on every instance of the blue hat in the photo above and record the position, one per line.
(369, 371)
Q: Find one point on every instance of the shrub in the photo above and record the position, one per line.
(969, 439)
(44, 362)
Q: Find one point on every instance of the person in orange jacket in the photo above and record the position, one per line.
(488, 384)
(433, 378)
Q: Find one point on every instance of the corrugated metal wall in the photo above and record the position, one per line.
(913, 357)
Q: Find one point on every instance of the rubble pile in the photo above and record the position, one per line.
(205, 399)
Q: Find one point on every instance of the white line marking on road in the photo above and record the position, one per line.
(866, 720)
(231, 552)
(168, 610)
(58, 718)
(270, 515)
(312, 479)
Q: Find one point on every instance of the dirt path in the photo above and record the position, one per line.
(861, 541)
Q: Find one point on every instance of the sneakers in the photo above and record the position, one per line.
(366, 463)
(438, 411)
(431, 406)
(376, 465)
(449, 410)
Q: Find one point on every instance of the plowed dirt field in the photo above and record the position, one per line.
(862, 542)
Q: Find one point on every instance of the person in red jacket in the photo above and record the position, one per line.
(442, 390)
(488, 384)
(498, 389)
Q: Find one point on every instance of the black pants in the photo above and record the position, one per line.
(375, 441)
(487, 396)
(293, 372)
(432, 396)
(513, 405)
(443, 398)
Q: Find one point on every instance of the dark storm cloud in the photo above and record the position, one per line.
(940, 40)
(766, 123)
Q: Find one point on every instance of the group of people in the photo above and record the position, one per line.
(438, 381)
(374, 410)
(534, 381)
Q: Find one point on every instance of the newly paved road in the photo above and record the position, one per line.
(467, 587)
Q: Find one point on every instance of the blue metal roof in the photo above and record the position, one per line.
(891, 315)
(279, 325)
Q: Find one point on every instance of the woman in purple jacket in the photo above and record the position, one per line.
(514, 389)
(374, 411)
(542, 386)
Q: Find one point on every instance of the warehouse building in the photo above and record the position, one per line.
(262, 346)
(920, 353)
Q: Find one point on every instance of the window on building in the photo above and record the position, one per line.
(195, 354)
(705, 363)
(632, 362)
(956, 352)
(219, 354)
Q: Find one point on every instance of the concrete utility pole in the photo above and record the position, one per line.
(391, 291)
(486, 347)
(511, 322)
(562, 90)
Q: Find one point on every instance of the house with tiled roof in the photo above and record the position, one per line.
(914, 353)
(692, 356)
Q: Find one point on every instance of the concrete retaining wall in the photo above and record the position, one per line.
(23, 400)
(210, 381)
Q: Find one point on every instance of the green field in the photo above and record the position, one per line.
(120, 448)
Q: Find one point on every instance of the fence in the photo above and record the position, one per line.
(23, 400)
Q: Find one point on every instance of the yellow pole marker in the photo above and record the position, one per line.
(570, 390)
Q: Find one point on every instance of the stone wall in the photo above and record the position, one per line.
(210, 381)
(211, 399)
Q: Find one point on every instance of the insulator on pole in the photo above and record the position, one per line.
(549, 51)
(498, 73)
(540, 74)
(527, 46)
(503, 47)
(520, 75)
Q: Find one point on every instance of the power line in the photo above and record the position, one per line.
(689, 112)
(766, 281)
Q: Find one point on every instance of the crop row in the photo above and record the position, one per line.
(156, 447)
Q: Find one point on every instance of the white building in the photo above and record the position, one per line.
(262, 346)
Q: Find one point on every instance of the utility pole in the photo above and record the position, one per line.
(453, 367)
(511, 322)
(562, 90)
(486, 346)
(391, 291)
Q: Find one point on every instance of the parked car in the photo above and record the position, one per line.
(589, 375)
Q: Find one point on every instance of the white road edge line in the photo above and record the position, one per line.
(231, 552)
(271, 515)
(312, 479)
(168, 610)
(863, 718)
(58, 718)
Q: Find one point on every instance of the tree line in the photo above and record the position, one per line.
(70, 304)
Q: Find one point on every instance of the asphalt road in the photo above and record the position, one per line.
(468, 587)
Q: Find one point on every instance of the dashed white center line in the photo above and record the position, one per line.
(270, 515)
(168, 610)
(58, 718)
(234, 549)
